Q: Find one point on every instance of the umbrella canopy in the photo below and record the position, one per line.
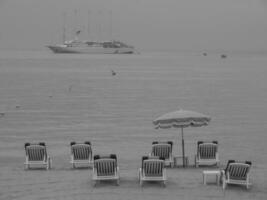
(181, 119)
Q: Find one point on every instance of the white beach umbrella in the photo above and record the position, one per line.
(181, 119)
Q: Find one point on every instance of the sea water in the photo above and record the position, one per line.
(63, 97)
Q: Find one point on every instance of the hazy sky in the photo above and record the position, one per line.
(146, 24)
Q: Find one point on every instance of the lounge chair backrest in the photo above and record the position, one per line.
(163, 142)
(207, 150)
(81, 151)
(228, 163)
(238, 171)
(112, 156)
(36, 152)
(153, 167)
(161, 150)
(105, 166)
(148, 158)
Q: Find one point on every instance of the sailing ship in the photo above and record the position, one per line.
(92, 47)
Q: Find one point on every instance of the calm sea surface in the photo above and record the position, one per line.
(56, 98)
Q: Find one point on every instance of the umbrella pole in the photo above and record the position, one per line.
(183, 147)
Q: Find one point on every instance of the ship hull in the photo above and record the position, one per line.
(90, 50)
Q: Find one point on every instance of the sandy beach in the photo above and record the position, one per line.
(57, 99)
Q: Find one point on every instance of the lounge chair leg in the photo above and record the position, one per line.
(141, 182)
(49, 163)
(224, 185)
(94, 183)
(164, 183)
(118, 182)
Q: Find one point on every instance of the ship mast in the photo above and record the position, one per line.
(110, 24)
(64, 28)
(75, 30)
(99, 26)
(88, 25)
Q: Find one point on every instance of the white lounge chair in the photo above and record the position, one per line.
(236, 173)
(207, 153)
(152, 169)
(163, 150)
(105, 168)
(36, 155)
(81, 154)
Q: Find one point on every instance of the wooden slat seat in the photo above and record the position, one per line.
(105, 168)
(81, 154)
(163, 150)
(236, 173)
(207, 153)
(152, 169)
(36, 155)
